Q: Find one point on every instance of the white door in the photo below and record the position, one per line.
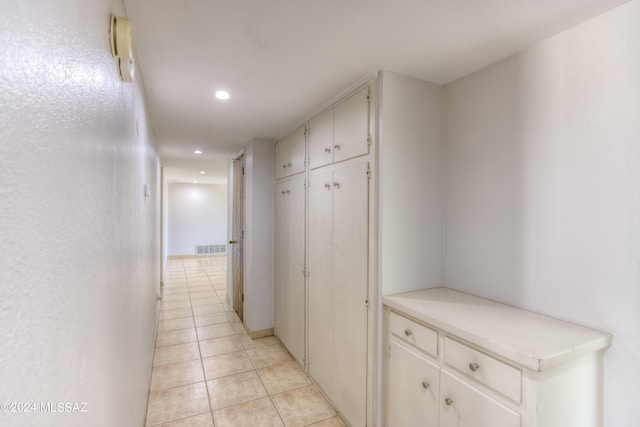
(412, 395)
(463, 406)
(338, 278)
(350, 278)
(320, 313)
(351, 127)
(290, 297)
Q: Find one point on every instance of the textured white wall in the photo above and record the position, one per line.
(79, 253)
(197, 215)
(543, 188)
(410, 198)
(259, 288)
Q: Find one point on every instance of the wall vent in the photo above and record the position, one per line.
(211, 249)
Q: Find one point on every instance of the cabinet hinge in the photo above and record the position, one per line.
(389, 352)
(368, 139)
(243, 170)
(368, 173)
(367, 302)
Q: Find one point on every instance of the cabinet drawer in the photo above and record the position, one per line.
(422, 337)
(501, 377)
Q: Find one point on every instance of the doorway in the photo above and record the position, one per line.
(237, 234)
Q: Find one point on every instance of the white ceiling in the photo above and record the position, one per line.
(282, 59)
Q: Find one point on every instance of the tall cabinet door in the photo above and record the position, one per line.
(338, 265)
(320, 312)
(350, 267)
(290, 292)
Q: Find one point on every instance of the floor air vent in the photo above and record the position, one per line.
(211, 249)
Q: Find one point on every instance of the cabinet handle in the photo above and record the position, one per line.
(448, 401)
(231, 242)
(327, 186)
(408, 332)
(288, 165)
(287, 191)
(282, 192)
(474, 366)
(337, 185)
(327, 150)
(337, 146)
(284, 166)
(425, 385)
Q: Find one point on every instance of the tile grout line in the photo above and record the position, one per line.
(204, 375)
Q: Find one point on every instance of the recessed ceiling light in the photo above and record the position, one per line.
(197, 152)
(195, 182)
(202, 172)
(222, 94)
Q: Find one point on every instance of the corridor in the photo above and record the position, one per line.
(208, 372)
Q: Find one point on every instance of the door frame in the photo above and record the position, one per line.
(237, 234)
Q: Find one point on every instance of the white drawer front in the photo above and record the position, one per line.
(422, 337)
(494, 373)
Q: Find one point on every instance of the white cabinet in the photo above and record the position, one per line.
(338, 285)
(290, 264)
(290, 154)
(413, 390)
(342, 132)
(487, 365)
(324, 317)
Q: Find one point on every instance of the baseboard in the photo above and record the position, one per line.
(258, 334)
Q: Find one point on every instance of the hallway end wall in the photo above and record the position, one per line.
(80, 248)
(197, 215)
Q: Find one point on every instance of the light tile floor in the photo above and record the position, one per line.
(208, 372)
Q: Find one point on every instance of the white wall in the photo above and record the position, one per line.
(197, 215)
(258, 266)
(165, 221)
(80, 249)
(543, 188)
(411, 168)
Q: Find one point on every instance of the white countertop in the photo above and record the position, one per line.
(529, 339)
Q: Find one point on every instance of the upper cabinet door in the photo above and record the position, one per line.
(290, 154)
(351, 127)
(321, 140)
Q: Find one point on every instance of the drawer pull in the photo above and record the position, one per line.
(327, 150)
(448, 401)
(425, 385)
(337, 146)
(474, 366)
(408, 332)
